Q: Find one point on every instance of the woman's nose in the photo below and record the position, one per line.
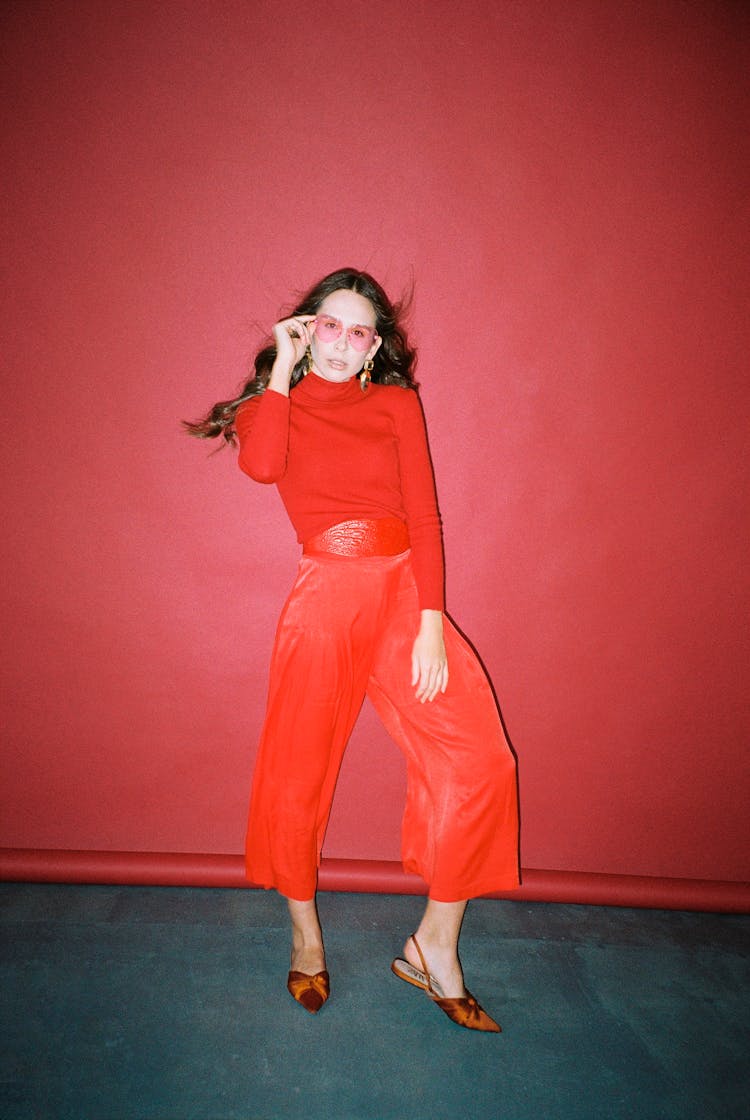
(342, 342)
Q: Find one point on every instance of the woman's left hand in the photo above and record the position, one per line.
(429, 664)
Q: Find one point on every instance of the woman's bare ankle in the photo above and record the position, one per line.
(442, 963)
(309, 960)
(437, 936)
(308, 954)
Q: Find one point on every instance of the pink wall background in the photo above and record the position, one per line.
(566, 184)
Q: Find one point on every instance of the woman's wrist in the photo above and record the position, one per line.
(281, 376)
(430, 620)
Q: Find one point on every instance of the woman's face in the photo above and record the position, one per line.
(352, 318)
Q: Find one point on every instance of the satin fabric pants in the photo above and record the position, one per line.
(347, 630)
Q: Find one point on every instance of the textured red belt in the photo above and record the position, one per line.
(384, 536)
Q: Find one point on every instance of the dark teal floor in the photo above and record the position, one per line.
(170, 1004)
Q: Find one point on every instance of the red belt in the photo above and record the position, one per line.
(385, 536)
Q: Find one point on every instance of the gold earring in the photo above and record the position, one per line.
(308, 368)
(365, 376)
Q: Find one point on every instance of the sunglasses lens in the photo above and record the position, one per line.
(361, 337)
(327, 329)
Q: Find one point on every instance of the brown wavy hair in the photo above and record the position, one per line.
(393, 363)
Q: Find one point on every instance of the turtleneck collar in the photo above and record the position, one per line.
(313, 387)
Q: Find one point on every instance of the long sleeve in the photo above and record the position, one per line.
(420, 504)
(262, 426)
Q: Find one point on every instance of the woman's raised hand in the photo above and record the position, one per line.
(292, 337)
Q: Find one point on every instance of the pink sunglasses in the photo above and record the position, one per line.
(329, 329)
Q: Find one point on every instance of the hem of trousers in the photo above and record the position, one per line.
(270, 883)
(487, 884)
(496, 884)
(476, 890)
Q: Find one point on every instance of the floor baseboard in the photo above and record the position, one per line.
(372, 876)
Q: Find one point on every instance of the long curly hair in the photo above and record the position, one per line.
(394, 360)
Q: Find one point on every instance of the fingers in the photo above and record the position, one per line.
(428, 679)
(297, 326)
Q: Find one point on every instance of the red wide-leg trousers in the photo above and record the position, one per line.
(347, 630)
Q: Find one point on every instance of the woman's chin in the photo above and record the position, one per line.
(333, 371)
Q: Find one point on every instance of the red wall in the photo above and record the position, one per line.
(565, 184)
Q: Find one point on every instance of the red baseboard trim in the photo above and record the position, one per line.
(373, 876)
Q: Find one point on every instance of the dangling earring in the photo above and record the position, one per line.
(365, 376)
(308, 368)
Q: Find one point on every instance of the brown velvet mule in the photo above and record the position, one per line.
(310, 991)
(465, 1011)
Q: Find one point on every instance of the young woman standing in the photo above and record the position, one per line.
(333, 419)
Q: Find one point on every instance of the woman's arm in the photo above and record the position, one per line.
(420, 502)
(292, 337)
(429, 665)
(262, 427)
(262, 422)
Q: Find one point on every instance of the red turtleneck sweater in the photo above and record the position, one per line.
(338, 454)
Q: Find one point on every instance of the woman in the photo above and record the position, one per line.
(332, 417)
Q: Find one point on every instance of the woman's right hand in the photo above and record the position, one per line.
(292, 337)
